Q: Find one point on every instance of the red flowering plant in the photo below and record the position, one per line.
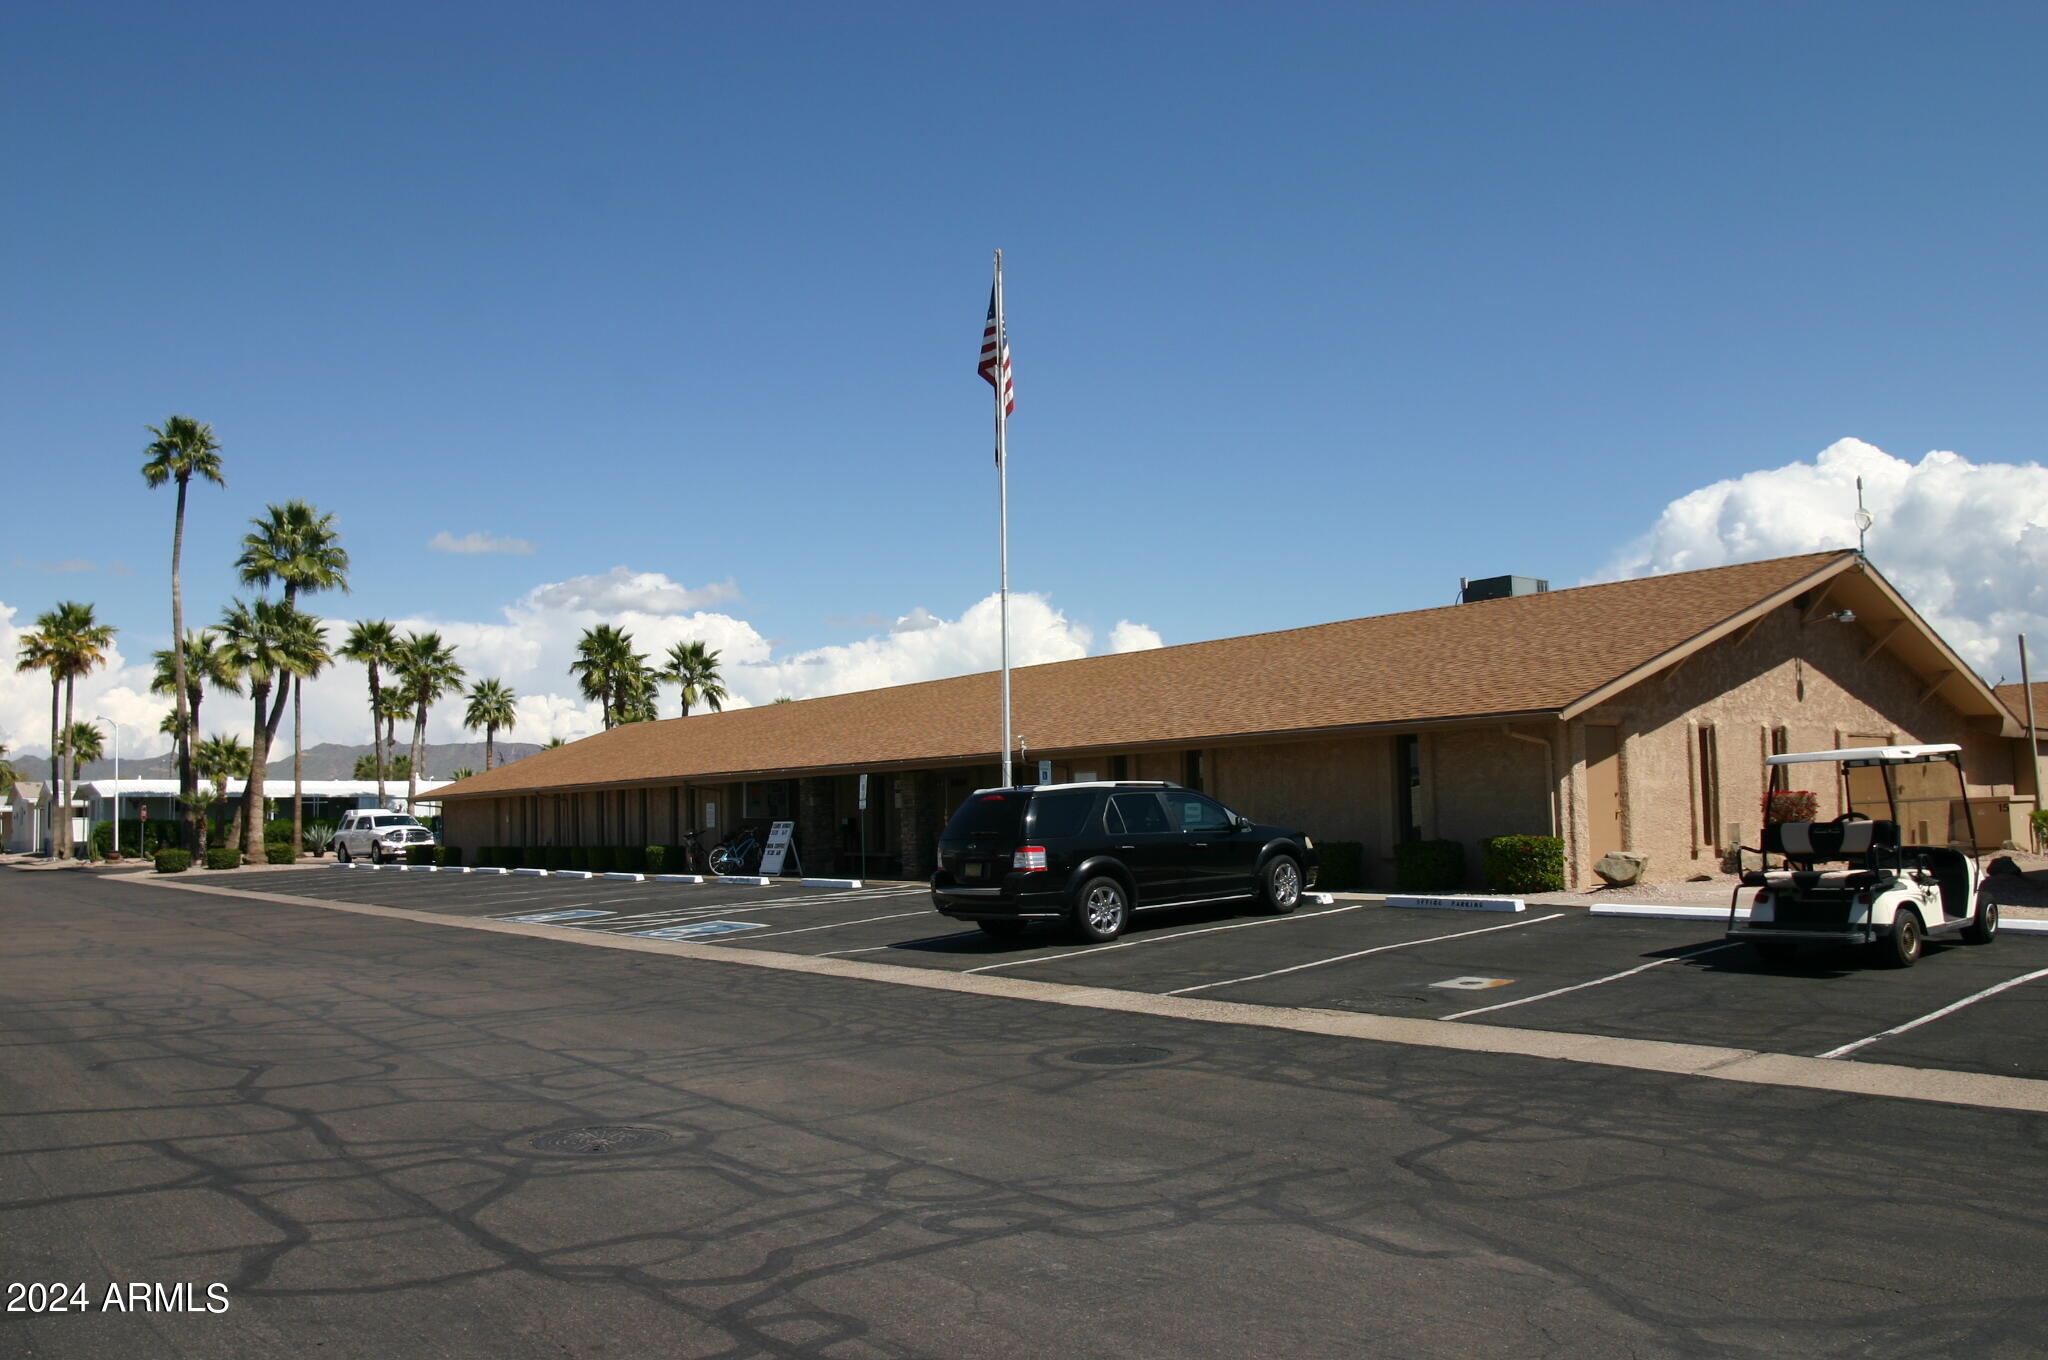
(1790, 805)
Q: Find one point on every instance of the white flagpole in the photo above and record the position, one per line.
(1003, 500)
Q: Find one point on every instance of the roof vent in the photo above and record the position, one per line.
(1499, 588)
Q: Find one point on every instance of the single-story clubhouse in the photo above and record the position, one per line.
(1633, 715)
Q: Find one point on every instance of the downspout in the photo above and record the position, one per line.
(1549, 769)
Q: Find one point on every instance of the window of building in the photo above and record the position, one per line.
(1710, 786)
(1191, 769)
(1119, 767)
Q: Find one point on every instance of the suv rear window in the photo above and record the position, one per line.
(1060, 814)
(988, 816)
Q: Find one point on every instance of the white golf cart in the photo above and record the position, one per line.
(1882, 891)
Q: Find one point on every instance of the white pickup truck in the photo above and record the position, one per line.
(374, 835)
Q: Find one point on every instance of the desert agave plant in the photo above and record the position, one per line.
(318, 838)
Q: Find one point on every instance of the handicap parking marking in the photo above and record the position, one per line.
(1596, 982)
(1361, 953)
(676, 915)
(836, 925)
(1846, 1049)
(696, 930)
(543, 917)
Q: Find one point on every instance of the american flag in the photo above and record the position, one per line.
(995, 341)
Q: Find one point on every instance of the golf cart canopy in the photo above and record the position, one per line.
(1872, 755)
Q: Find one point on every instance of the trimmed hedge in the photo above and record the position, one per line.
(598, 859)
(280, 852)
(654, 858)
(160, 834)
(1427, 866)
(629, 859)
(448, 856)
(420, 854)
(1340, 866)
(554, 857)
(224, 857)
(173, 861)
(1524, 864)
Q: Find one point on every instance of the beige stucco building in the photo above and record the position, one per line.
(1632, 715)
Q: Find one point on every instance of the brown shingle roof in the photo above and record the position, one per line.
(2014, 697)
(1524, 654)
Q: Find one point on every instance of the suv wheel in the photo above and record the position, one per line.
(1280, 885)
(1101, 910)
(340, 854)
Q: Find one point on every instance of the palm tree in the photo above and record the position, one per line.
(82, 742)
(206, 664)
(427, 671)
(262, 638)
(393, 704)
(694, 667)
(639, 685)
(490, 707)
(374, 643)
(221, 757)
(69, 643)
(8, 774)
(297, 545)
(182, 448)
(604, 658)
(37, 651)
(309, 656)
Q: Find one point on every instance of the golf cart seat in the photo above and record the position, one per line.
(1855, 841)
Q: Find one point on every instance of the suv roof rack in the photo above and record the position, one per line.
(1086, 784)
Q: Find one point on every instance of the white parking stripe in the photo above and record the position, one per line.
(805, 930)
(901, 944)
(778, 904)
(1361, 953)
(1846, 1049)
(1581, 986)
(1161, 939)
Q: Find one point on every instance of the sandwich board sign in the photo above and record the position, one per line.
(779, 834)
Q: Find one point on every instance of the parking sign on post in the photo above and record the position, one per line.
(1045, 772)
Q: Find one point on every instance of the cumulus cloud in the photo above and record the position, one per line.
(533, 639)
(478, 543)
(1133, 637)
(118, 693)
(1967, 543)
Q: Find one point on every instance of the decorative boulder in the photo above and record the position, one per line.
(1621, 868)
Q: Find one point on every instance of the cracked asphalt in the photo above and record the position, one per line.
(332, 1115)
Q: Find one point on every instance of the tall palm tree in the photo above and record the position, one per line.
(182, 449)
(490, 707)
(297, 545)
(638, 686)
(694, 667)
(37, 651)
(604, 660)
(8, 774)
(206, 663)
(79, 643)
(308, 657)
(257, 635)
(217, 760)
(427, 671)
(393, 704)
(373, 643)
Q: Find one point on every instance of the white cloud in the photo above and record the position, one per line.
(1133, 637)
(1967, 543)
(118, 693)
(529, 647)
(478, 543)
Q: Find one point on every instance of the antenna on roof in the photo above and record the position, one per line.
(1864, 519)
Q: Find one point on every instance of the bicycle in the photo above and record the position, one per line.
(693, 852)
(738, 853)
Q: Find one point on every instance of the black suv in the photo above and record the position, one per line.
(1091, 854)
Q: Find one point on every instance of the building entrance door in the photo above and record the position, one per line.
(1603, 792)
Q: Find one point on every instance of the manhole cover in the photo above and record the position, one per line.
(1117, 1055)
(598, 1138)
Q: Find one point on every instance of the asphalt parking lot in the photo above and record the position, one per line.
(1962, 1009)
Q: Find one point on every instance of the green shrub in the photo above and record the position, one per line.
(224, 857)
(277, 829)
(2040, 823)
(173, 861)
(600, 859)
(1341, 866)
(655, 858)
(420, 854)
(1427, 866)
(552, 857)
(1524, 864)
(629, 859)
(448, 856)
(579, 857)
(280, 852)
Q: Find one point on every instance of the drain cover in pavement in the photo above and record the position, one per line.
(598, 1138)
(1113, 1055)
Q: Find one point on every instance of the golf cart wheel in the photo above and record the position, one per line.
(1901, 947)
(1774, 952)
(1002, 930)
(1985, 928)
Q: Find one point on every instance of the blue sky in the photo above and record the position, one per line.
(1314, 311)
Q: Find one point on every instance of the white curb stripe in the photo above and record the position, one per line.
(831, 883)
(1461, 903)
(629, 878)
(748, 880)
(532, 873)
(679, 878)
